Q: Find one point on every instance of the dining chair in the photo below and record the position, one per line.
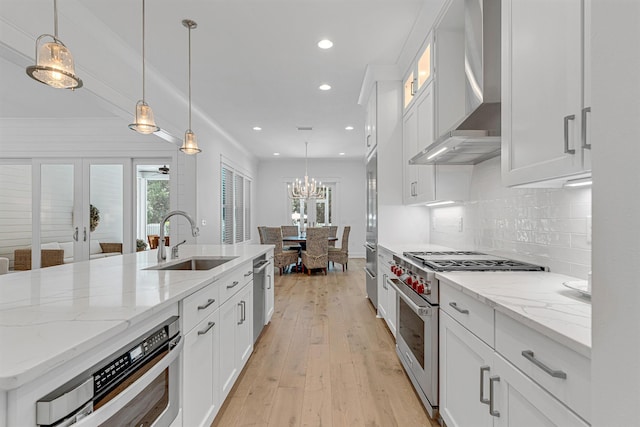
(290, 230)
(281, 258)
(341, 254)
(333, 232)
(261, 234)
(153, 240)
(316, 254)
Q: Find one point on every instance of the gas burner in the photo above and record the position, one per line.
(439, 253)
(481, 265)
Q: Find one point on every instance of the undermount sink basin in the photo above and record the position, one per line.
(195, 263)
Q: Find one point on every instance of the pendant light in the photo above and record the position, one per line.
(190, 143)
(54, 63)
(144, 122)
(307, 188)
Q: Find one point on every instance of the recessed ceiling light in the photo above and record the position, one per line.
(349, 128)
(325, 44)
(257, 128)
(324, 87)
(341, 154)
(276, 154)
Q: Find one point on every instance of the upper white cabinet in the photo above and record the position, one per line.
(545, 90)
(420, 73)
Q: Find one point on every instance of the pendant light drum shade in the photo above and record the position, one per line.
(144, 122)
(190, 143)
(54, 65)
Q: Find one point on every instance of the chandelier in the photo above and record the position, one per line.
(309, 188)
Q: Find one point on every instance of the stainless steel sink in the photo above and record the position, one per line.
(194, 263)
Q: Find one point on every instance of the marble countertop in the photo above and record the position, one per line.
(536, 299)
(52, 315)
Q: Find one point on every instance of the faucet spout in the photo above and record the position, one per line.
(194, 231)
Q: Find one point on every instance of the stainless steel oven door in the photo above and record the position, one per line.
(417, 342)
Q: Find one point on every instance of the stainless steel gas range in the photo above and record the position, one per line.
(417, 306)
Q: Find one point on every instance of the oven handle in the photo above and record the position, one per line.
(122, 399)
(420, 311)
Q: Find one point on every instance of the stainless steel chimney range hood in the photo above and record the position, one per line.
(476, 137)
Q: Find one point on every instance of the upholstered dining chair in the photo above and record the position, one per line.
(316, 254)
(341, 254)
(281, 258)
(261, 234)
(290, 230)
(333, 232)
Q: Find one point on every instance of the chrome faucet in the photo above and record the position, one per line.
(174, 250)
(194, 230)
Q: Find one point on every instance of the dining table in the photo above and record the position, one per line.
(302, 240)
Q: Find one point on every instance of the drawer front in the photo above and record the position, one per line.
(233, 282)
(471, 313)
(561, 371)
(197, 306)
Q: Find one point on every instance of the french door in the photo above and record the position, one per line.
(80, 204)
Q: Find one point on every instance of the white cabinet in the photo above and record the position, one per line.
(420, 73)
(386, 294)
(485, 386)
(464, 363)
(519, 402)
(269, 294)
(545, 91)
(236, 336)
(201, 394)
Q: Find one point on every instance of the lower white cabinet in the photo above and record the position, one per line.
(201, 399)
(386, 294)
(479, 387)
(269, 295)
(236, 337)
(462, 358)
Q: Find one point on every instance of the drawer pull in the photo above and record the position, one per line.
(207, 304)
(248, 273)
(233, 285)
(458, 309)
(493, 380)
(207, 329)
(483, 369)
(528, 354)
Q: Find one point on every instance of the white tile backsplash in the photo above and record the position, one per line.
(542, 226)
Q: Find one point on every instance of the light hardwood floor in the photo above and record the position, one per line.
(324, 360)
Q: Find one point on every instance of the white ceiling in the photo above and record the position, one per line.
(255, 63)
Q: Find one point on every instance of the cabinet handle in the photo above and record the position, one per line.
(244, 311)
(483, 369)
(413, 87)
(240, 305)
(75, 235)
(235, 283)
(566, 134)
(458, 309)
(248, 273)
(585, 145)
(84, 238)
(207, 304)
(528, 354)
(493, 380)
(269, 281)
(384, 282)
(207, 329)
(368, 140)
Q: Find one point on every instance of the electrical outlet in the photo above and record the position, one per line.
(460, 226)
(589, 229)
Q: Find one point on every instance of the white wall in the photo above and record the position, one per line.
(543, 226)
(615, 363)
(350, 207)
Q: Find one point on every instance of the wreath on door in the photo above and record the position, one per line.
(94, 217)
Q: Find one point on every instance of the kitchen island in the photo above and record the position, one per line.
(57, 322)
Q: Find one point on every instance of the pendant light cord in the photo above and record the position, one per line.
(306, 158)
(55, 18)
(143, 56)
(189, 77)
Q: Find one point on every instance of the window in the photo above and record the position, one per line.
(236, 206)
(307, 213)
